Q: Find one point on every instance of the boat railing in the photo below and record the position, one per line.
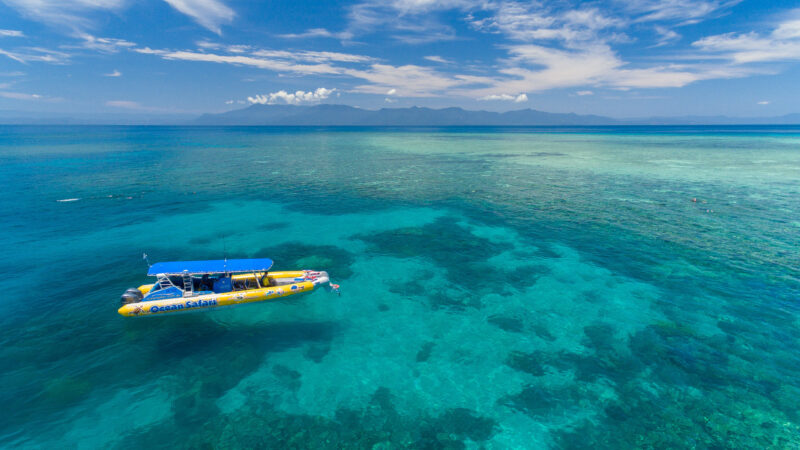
(164, 282)
(188, 286)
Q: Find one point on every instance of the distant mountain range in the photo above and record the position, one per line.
(343, 115)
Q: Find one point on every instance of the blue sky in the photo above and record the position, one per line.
(621, 58)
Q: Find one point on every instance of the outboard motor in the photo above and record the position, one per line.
(132, 295)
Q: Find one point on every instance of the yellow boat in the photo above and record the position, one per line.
(184, 286)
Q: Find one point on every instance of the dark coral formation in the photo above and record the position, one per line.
(532, 363)
(300, 255)
(511, 324)
(460, 253)
(448, 244)
(425, 352)
(696, 403)
(377, 425)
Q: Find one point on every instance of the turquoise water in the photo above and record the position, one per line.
(501, 288)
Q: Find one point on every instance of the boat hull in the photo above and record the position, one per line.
(215, 301)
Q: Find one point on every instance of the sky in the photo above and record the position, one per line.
(618, 58)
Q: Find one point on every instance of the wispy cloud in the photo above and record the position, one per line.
(313, 56)
(11, 33)
(665, 35)
(114, 74)
(278, 65)
(20, 96)
(547, 46)
(319, 33)
(408, 21)
(528, 68)
(506, 98)
(438, 59)
(136, 106)
(686, 11)
(584, 93)
(125, 104)
(71, 15)
(36, 54)
(782, 44)
(535, 68)
(535, 22)
(211, 14)
(304, 62)
(292, 98)
(76, 15)
(407, 81)
(102, 44)
(763, 102)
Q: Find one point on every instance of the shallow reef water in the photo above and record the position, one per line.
(501, 288)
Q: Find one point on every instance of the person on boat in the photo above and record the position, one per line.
(205, 283)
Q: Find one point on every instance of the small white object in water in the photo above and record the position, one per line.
(63, 200)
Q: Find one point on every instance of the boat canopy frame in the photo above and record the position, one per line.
(210, 266)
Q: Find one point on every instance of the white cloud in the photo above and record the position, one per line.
(319, 33)
(136, 106)
(583, 93)
(20, 96)
(11, 33)
(312, 56)
(36, 54)
(211, 14)
(763, 102)
(686, 11)
(75, 15)
(782, 44)
(665, 36)
(538, 22)
(13, 56)
(417, 21)
(554, 48)
(67, 14)
(535, 68)
(103, 45)
(390, 100)
(506, 97)
(295, 98)
(301, 62)
(411, 80)
(529, 68)
(788, 30)
(115, 73)
(125, 104)
(277, 65)
(540, 68)
(409, 21)
(437, 59)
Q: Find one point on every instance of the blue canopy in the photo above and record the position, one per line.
(211, 266)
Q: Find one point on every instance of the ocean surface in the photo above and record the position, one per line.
(633, 287)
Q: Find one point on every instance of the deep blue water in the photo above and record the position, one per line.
(601, 287)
